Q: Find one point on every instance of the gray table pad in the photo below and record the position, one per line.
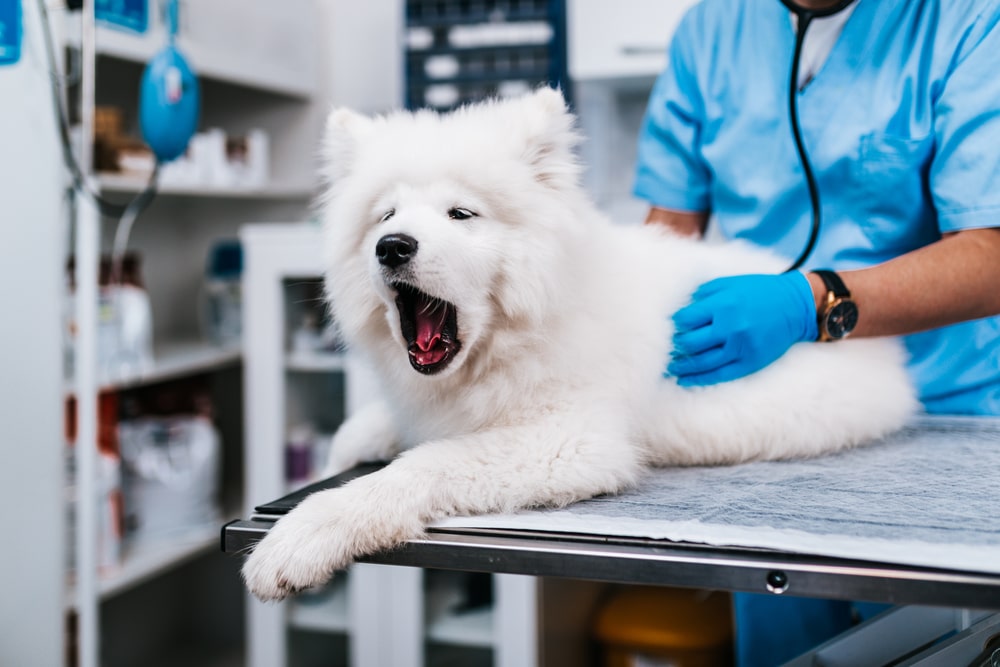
(928, 495)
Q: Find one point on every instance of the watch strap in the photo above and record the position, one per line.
(833, 283)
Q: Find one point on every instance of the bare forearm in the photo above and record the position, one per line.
(685, 223)
(950, 281)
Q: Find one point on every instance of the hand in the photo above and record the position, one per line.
(738, 325)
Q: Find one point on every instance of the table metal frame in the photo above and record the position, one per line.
(660, 562)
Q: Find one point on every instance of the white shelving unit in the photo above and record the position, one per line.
(271, 51)
(273, 254)
(330, 613)
(123, 184)
(259, 66)
(171, 360)
(470, 628)
(143, 562)
(314, 363)
(370, 603)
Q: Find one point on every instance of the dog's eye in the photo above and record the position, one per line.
(460, 213)
(388, 214)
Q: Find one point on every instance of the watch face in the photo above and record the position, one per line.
(841, 319)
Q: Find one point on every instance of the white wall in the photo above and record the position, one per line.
(31, 433)
(363, 65)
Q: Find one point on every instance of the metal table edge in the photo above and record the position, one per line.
(656, 562)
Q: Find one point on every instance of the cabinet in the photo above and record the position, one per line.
(620, 40)
(259, 45)
(458, 51)
(616, 51)
(385, 616)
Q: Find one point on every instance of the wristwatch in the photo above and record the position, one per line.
(838, 316)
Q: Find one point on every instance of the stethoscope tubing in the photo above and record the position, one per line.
(803, 18)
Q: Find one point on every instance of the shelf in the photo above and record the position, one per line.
(470, 628)
(419, 81)
(445, 623)
(133, 185)
(416, 54)
(447, 20)
(170, 361)
(142, 562)
(327, 613)
(314, 362)
(252, 66)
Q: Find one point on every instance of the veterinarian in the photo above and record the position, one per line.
(898, 107)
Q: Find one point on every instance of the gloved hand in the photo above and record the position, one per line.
(735, 326)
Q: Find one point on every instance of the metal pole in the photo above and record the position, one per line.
(87, 250)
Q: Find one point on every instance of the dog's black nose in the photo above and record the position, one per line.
(393, 250)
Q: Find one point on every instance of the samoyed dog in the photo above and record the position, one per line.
(520, 340)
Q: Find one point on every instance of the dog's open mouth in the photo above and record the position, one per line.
(430, 327)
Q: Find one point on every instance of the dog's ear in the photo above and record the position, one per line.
(551, 137)
(345, 131)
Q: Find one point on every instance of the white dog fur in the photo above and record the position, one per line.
(557, 393)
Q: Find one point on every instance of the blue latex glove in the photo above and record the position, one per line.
(738, 325)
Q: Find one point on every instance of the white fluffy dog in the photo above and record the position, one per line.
(520, 339)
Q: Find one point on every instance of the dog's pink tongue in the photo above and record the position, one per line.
(430, 322)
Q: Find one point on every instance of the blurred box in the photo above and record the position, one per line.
(652, 626)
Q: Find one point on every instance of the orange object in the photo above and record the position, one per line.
(107, 422)
(652, 626)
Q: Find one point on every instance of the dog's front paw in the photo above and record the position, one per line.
(303, 550)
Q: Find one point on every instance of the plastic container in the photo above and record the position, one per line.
(222, 294)
(172, 475)
(651, 626)
(299, 454)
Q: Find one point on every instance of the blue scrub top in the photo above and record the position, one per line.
(902, 127)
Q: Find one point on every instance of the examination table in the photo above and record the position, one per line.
(913, 520)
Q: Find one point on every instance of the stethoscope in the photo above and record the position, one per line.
(803, 18)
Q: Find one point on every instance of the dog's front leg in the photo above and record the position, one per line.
(548, 464)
